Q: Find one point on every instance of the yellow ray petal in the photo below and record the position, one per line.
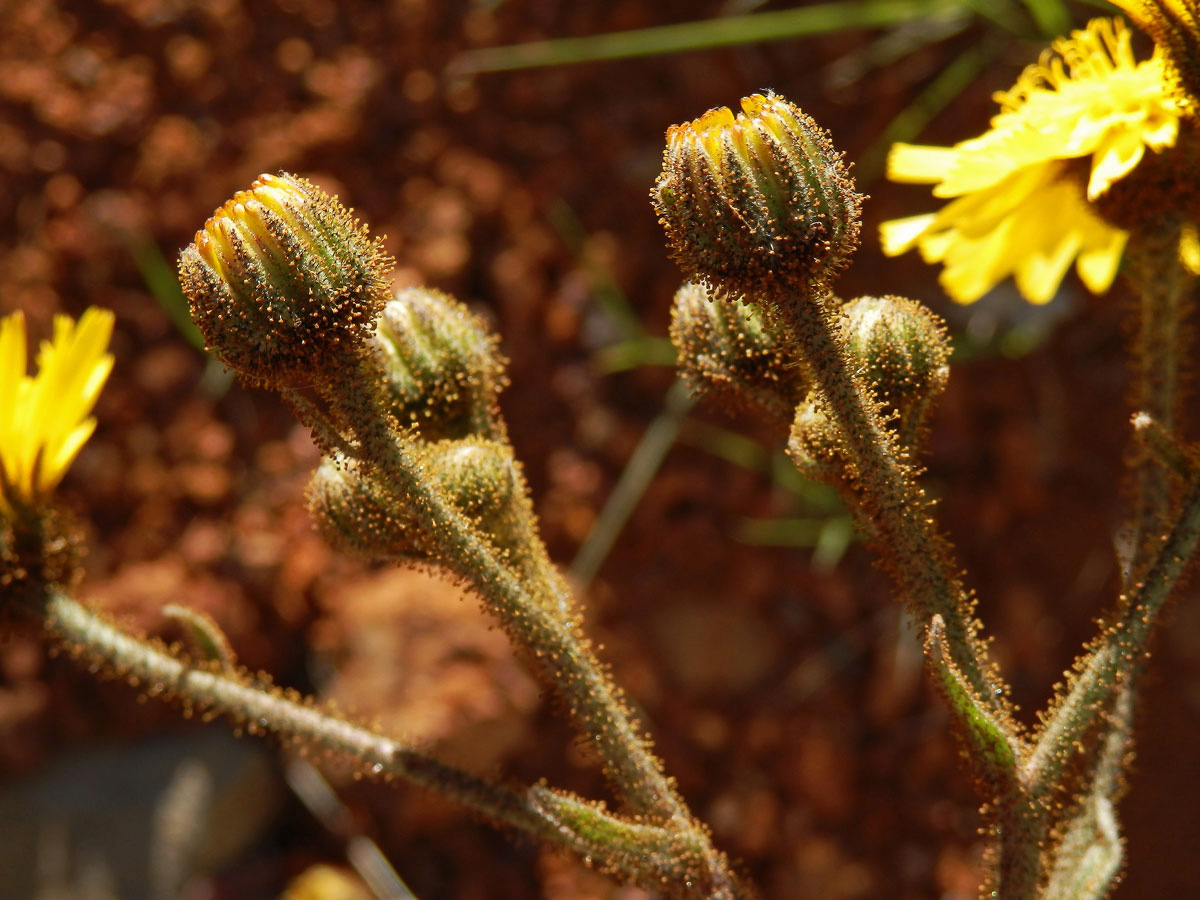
(1097, 266)
(900, 235)
(917, 164)
(1113, 160)
(44, 419)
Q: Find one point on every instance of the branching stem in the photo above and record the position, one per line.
(229, 692)
(546, 628)
(918, 557)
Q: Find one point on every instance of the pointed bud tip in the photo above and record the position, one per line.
(757, 202)
(441, 365)
(283, 282)
(903, 351)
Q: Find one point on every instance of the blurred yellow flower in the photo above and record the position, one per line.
(44, 418)
(1019, 210)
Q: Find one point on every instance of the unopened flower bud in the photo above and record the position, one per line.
(284, 282)
(902, 349)
(443, 370)
(729, 349)
(353, 512)
(475, 477)
(813, 445)
(757, 203)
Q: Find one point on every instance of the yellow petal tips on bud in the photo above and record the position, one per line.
(757, 202)
(284, 282)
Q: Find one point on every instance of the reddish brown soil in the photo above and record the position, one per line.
(789, 704)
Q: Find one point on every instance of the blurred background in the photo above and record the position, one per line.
(506, 150)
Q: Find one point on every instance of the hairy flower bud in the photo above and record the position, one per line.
(284, 282)
(902, 349)
(757, 203)
(729, 349)
(476, 477)
(814, 443)
(442, 368)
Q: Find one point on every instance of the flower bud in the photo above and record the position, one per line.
(353, 513)
(442, 368)
(814, 444)
(902, 349)
(476, 477)
(730, 350)
(758, 203)
(284, 282)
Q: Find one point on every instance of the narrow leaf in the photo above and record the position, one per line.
(725, 31)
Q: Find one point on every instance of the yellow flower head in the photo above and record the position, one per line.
(44, 419)
(1175, 27)
(1017, 209)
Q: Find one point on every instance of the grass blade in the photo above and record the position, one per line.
(725, 31)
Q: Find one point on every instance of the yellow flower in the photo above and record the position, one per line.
(44, 419)
(1018, 210)
(1175, 27)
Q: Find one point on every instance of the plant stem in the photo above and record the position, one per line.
(917, 556)
(1090, 718)
(653, 855)
(545, 627)
(920, 561)
(1119, 652)
(1154, 270)
(230, 692)
(552, 639)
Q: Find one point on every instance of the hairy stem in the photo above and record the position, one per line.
(1119, 651)
(1161, 282)
(230, 692)
(917, 556)
(545, 627)
(921, 562)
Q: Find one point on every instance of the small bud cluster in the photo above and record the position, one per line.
(476, 476)
(441, 373)
(901, 353)
(290, 291)
(732, 351)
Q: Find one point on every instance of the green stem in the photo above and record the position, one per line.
(230, 692)
(546, 628)
(920, 560)
(1119, 652)
(1084, 739)
(917, 556)
(1162, 284)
